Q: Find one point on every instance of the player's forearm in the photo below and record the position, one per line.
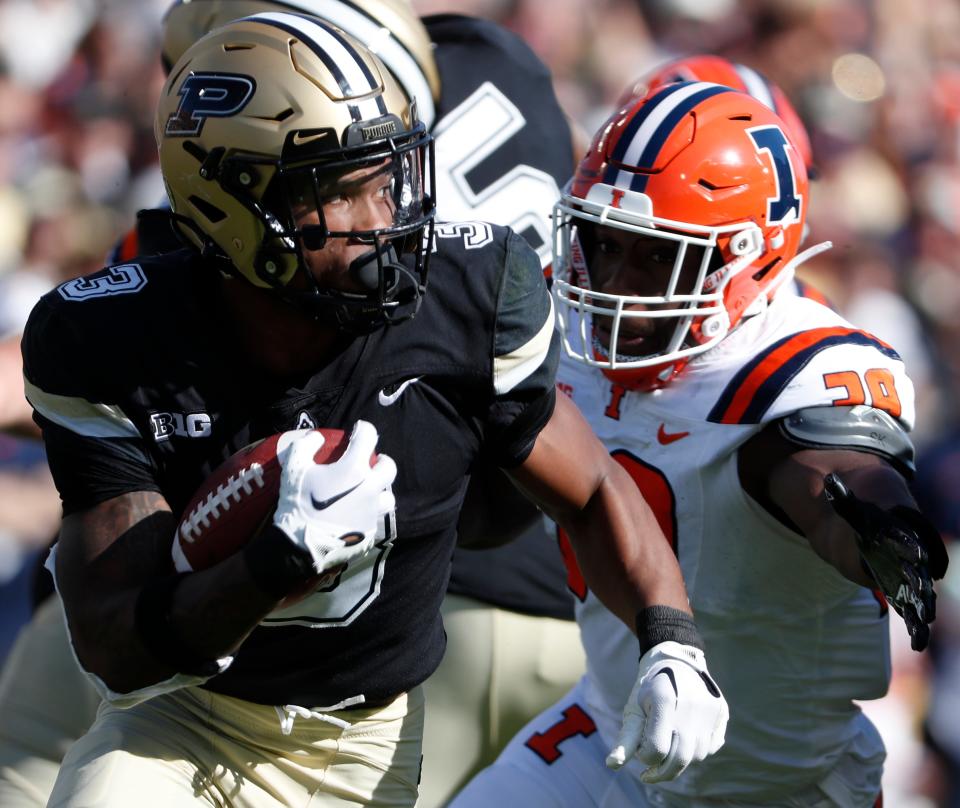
(108, 556)
(834, 540)
(870, 478)
(210, 614)
(214, 610)
(624, 555)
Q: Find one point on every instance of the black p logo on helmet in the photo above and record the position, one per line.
(208, 95)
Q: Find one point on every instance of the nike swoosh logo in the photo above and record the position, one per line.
(323, 504)
(665, 438)
(386, 399)
(301, 140)
(673, 679)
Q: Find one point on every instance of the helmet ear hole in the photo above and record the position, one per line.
(762, 272)
(210, 212)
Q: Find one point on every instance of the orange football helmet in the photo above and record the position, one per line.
(730, 74)
(711, 174)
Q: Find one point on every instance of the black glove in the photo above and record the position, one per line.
(900, 550)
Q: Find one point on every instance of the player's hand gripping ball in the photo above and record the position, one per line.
(240, 496)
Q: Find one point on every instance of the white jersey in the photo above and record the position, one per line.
(790, 641)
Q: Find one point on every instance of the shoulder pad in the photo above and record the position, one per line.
(860, 428)
(825, 365)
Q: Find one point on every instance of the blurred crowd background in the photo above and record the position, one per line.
(877, 82)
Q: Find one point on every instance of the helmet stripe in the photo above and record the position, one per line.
(619, 153)
(756, 85)
(364, 68)
(381, 41)
(344, 62)
(640, 144)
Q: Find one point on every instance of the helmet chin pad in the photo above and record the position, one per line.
(391, 293)
(365, 269)
(645, 380)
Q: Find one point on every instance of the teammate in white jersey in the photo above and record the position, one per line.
(733, 408)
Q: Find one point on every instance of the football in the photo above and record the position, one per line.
(236, 500)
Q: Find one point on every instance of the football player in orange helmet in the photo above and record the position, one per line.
(770, 437)
(711, 258)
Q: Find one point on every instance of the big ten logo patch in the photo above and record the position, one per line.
(185, 425)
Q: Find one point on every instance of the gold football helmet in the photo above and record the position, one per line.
(388, 28)
(262, 115)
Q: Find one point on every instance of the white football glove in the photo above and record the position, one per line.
(675, 715)
(336, 511)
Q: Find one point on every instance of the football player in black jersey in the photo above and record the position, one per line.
(297, 169)
(512, 648)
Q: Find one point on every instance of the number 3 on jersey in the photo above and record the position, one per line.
(521, 198)
(658, 493)
(119, 280)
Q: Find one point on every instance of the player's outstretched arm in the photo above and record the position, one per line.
(858, 514)
(675, 714)
(900, 550)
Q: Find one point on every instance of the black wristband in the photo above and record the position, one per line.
(276, 565)
(657, 624)
(151, 618)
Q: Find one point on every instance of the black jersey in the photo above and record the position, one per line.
(503, 151)
(136, 388)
